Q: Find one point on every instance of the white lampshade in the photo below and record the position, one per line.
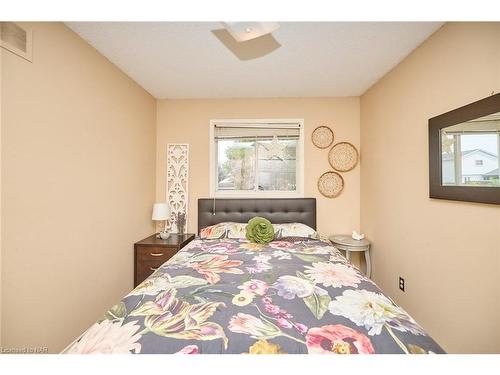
(161, 211)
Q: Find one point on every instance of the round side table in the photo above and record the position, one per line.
(347, 243)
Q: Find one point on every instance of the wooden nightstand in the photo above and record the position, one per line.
(347, 243)
(150, 253)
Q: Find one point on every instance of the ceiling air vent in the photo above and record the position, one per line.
(16, 39)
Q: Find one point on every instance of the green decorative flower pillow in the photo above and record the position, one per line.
(260, 230)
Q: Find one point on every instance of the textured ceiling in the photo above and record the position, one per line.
(199, 60)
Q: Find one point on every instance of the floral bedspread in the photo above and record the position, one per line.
(232, 296)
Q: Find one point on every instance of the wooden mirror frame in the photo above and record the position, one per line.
(481, 194)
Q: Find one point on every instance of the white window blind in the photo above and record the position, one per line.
(257, 131)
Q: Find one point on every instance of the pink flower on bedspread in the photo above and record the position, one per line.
(283, 318)
(281, 245)
(337, 339)
(220, 247)
(254, 286)
(255, 327)
(302, 328)
(210, 268)
(190, 349)
(284, 323)
(109, 337)
(272, 309)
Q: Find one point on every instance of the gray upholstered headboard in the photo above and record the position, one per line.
(276, 210)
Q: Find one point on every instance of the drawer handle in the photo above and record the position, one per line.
(153, 268)
(156, 254)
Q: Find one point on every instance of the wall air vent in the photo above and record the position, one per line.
(16, 39)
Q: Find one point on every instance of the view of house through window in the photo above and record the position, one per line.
(256, 157)
(470, 154)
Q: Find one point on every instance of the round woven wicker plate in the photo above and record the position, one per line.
(330, 184)
(343, 157)
(322, 137)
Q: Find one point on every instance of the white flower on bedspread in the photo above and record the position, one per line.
(179, 260)
(338, 257)
(334, 275)
(109, 337)
(262, 258)
(289, 287)
(315, 250)
(261, 264)
(373, 311)
(281, 255)
(324, 250)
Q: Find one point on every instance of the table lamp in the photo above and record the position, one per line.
(161, 211)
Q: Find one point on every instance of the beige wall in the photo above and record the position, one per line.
(1, 274)
(78, 171)
(448, 252)
(187, 121)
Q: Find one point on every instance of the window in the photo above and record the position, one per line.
(256, 158)
(460, 153)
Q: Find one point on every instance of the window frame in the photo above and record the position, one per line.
(300, 154)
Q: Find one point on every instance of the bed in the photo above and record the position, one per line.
(294, 295)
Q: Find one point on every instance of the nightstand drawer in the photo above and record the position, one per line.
(149, 266)
(153, 253)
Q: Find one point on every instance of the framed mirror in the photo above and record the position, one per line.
(464, 148)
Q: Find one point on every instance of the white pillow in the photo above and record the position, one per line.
(224, 230)
(293, 230)
(238, 231)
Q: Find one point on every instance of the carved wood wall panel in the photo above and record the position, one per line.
(177, 182)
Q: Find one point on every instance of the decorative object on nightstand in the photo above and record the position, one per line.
(348, 244)
(180, 222)
(322, 137)
(161, 212)
(357, 236)
(150, 253)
